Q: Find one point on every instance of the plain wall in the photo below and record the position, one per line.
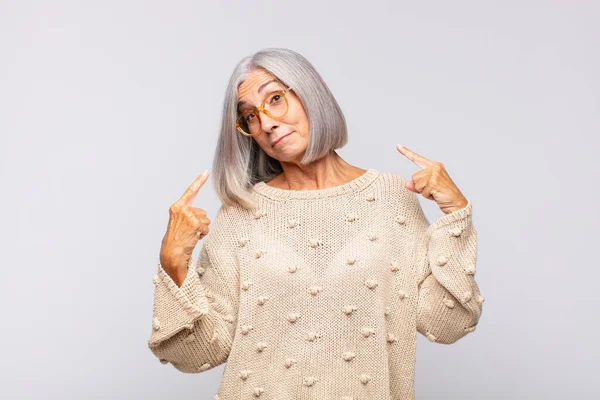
(109, 110)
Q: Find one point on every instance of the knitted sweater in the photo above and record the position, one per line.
(319, 294)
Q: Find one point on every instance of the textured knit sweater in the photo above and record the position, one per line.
(319, 294)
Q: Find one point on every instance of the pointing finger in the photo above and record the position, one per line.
(190, 193)
(414, 157)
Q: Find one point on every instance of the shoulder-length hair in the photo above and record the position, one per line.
(239, 162)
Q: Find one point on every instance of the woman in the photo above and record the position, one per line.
(316, 274)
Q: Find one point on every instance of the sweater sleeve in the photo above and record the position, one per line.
(445, 253)
(193, 325)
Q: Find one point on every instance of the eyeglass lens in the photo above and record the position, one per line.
(275, 105)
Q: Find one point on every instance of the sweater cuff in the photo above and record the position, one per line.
(176, 308)
(456, 216)
(453, 252)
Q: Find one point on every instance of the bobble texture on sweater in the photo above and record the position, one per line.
(312, 292)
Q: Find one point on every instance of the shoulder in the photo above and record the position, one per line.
(227, 227)
(392, 188)
(390, 177)
(390, 183)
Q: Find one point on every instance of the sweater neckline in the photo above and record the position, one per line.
(349, 187)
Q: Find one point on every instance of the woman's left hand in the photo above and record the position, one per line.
(433, 182)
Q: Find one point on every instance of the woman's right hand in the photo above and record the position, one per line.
(187, 225)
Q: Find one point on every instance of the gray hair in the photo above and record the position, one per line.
(239, 161)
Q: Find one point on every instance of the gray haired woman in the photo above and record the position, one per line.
(317, 274)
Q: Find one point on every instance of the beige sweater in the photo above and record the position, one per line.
(319, 294)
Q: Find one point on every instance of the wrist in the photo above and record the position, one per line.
(459, 206)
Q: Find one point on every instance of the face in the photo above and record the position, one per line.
(294, 124)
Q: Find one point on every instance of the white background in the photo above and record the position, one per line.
(109, 110)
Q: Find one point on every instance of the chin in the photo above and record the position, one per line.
(289, 155)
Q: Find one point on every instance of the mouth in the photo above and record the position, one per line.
(279, 140)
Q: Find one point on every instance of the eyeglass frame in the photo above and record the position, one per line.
(260, 108)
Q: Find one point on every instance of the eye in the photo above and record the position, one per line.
(248, 117)
(276, 98)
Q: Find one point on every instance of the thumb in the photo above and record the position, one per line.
(410, 185)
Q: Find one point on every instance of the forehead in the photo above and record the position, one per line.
(255, 80)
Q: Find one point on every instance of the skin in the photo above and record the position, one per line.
(187, 224)
(433, 182)
(329, 171)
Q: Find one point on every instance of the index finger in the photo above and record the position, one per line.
(414, 157)
(190, 193)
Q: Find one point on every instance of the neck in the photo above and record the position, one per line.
(328, 171)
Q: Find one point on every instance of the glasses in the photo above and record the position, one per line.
(275, 105)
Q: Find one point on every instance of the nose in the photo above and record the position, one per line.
(267, 123)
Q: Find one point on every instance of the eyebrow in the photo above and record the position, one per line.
(260, 88)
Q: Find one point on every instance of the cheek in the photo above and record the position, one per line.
(264, 144)
(297, 114)
(261, 141)
(300, 121)
(304, 123)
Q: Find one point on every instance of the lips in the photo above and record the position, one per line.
(278, 140)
